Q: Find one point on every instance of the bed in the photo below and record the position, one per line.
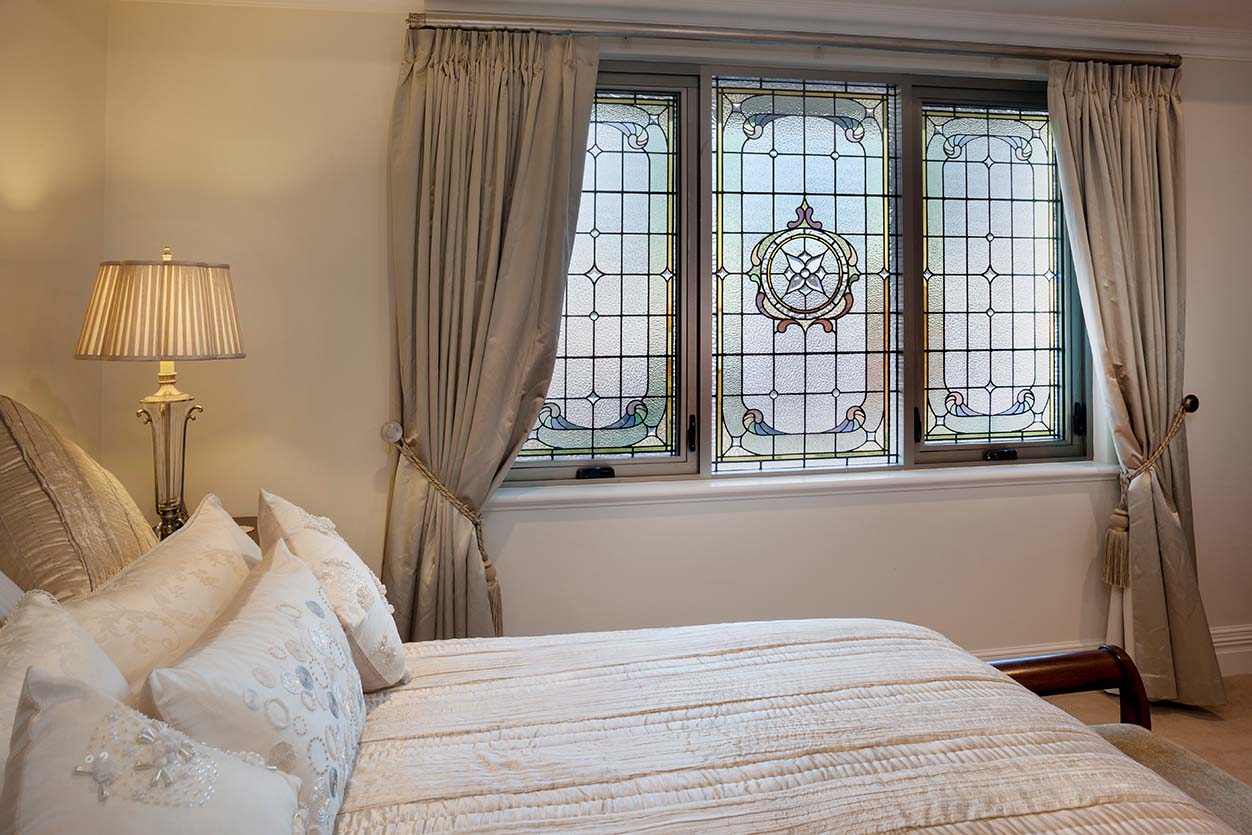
(819, 726)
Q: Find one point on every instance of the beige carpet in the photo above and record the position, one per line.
(1221, 735)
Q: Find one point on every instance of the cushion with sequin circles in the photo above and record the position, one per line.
(355, 593)
(275, 676)
(42, 635)
(84, 762)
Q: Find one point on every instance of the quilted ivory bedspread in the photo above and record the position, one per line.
(819, 726)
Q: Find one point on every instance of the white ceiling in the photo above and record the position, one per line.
(1195, 28)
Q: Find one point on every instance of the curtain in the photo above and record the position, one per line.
(488, 140)
(1118, 137)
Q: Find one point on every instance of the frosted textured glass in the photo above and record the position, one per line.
(805, 273)
(614, 383)
(991, 352)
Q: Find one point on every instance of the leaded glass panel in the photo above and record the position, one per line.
(992, 345)
(805, 274)
(615, 382)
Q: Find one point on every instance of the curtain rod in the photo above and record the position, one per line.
(620, 29)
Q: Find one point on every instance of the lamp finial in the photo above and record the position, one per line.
(166, 255)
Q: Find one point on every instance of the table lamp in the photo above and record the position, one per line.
(163, 310)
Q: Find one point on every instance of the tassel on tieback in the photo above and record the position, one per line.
(392, 433)
(1117, 537)
(1117, 550)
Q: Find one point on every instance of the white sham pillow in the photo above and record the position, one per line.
(354, 591)
(83, 762)
(41, 635)
(275, 676)
(160, 605)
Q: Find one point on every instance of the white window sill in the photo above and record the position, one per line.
(613, 494)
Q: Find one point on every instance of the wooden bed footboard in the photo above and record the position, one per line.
(1077, 672)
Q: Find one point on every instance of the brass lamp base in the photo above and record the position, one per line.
(167, 411)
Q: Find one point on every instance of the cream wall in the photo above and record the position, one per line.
(1218, 119)
(52, 96)
(258, 136)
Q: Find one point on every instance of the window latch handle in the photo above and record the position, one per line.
(1080, 418)
(691, 433)
(917, 425)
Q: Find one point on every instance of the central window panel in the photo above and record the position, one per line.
(806, 274)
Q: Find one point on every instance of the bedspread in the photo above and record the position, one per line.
(817, 726)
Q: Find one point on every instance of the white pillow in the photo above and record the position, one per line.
(156, 609)
(82, 762)
(274, 676)
(10, 594)
(42, 636)
(355, 593)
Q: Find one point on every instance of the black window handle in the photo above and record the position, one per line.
(917, 425)
(691, 433)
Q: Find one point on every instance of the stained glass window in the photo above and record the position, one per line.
(992, 349)
(615, 380)
(805, 274)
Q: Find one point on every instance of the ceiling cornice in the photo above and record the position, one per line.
(833, 16)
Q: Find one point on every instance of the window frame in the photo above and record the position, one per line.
(685, 462)
(1075, 352)
(694, 294)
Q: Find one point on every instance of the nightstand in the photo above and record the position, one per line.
(248, 523)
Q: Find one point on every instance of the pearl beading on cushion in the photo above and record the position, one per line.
(144, 761)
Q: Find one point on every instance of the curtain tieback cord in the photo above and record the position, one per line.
(1117, 537)
(393, 434)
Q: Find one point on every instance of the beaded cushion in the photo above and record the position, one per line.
(41, 634)
(155, 610)
(274, 676)
(355, 593)
(83, 762)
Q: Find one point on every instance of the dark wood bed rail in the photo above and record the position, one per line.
(1077, 672)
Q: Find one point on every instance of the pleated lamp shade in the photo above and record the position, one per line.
(161, 310)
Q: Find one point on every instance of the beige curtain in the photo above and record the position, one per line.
(487, 146)
(1118, 136)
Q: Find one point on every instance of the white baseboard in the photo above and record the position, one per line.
(1233, 645)
(1234, 648)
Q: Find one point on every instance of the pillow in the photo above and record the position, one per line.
(82, 762)
(10, 594)
(154, 611)
(66, 524)
(42, 636)
(355, 593)
(275, 676)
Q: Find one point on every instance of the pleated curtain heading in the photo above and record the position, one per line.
(161, 310)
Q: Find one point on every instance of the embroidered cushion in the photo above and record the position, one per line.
(82, 762)
(275, 676)
(154, 611)
(66, 524)
(355, 593)
(41, 635)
